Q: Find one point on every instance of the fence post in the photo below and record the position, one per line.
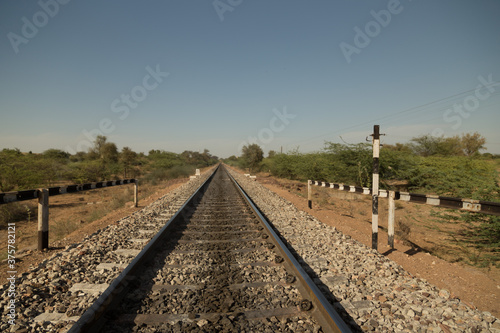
(375, 182)
(309, 195)
(136, 192)
(390, 222)
(43, 219)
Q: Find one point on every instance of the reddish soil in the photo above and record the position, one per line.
(351, 214)
(68, 216)
(347, 212)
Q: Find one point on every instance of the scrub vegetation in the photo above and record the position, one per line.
(54, 167)
(454, 167)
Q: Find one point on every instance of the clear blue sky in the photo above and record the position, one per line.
(289, 73)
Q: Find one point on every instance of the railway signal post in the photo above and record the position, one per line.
(375, 185)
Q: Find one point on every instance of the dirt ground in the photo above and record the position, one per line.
(74, 216)
(351, 214)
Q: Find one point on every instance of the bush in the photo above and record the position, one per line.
(348, 164)
(161, 174)
(17, 211)
(455, 176)
(397, 165)
(287, 165)
(352, 163)
(462, 177)
(181, 171)
(89, 171)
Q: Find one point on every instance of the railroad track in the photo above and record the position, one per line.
(216, 266)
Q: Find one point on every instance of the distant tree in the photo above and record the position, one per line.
(206, 157)
(153, 152)
(472, 143)
(467, 144)
(56, 154)
(19, 171)
(428, 145)
(89, 171)
(425, 145)
(128, 158)
(403, 147)
(103, 150)
(252, 155)
(186, 156)
(96, 151)
(271, 154)
(197, 159)
(79, 157)
(109, 152)
(450, 146)
(11, 152)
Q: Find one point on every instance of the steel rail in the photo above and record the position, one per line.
(93, 319)
(328, 317)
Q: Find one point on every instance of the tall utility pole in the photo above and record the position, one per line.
(375, 183)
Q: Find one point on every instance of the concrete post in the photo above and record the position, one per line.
(309, 194)
(136, 193)
(43, 219)
(390, 222)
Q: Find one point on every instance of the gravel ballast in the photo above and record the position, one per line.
(53, 295)
(216, 272)
(372, 292)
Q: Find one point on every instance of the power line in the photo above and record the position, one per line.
(420, 108)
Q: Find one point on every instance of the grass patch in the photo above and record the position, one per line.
(403, 231)
(62, 228)
(97, 214)
(119, 200)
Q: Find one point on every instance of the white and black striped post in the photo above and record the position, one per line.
(375, 183)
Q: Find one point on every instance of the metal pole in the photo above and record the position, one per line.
(309, 195)
(375, 183)
(390, 222)
(43, 219)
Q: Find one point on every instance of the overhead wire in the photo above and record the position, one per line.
(430, 106)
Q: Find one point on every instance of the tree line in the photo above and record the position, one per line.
(425, 164)
(103, 161)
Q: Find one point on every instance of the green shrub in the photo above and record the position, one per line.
(161, 174)
(462, 177)
(17, 211)
(180, 171)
